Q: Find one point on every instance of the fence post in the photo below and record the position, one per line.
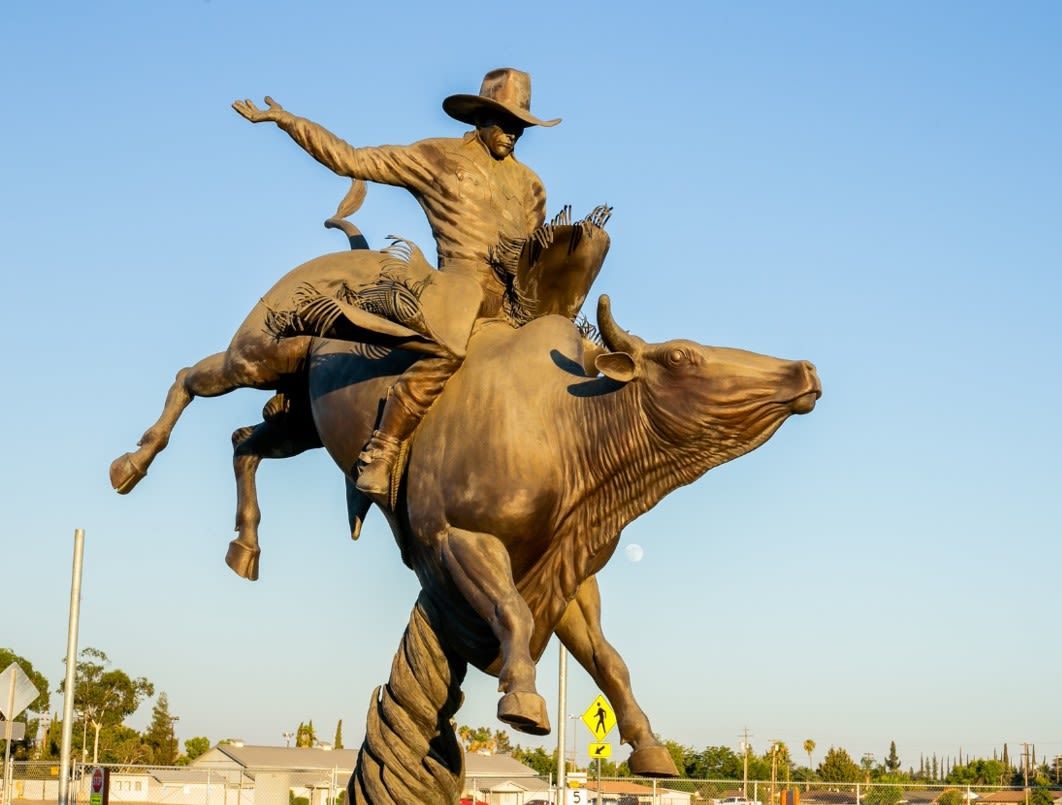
(208, 797)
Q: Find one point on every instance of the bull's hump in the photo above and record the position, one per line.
(551, 341)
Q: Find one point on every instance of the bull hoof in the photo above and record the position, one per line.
(652, 761)
(525, 712)
(243, 559)
(125, 474)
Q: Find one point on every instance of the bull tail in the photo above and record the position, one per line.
(350, 204)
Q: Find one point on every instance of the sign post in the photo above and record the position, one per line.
(599, 718)
(100, 788)
(18, 693)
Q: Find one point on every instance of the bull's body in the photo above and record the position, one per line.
(522, 476)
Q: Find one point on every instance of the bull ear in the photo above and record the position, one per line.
(618, 366)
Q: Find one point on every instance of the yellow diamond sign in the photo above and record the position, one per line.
(599, 717)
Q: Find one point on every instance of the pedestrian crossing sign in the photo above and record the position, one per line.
(599, 718)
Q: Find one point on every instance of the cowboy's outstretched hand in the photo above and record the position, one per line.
(247, 108)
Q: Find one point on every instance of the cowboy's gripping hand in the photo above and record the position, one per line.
(274, 111)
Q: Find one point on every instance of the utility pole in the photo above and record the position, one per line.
(774, 768)
(745, 755)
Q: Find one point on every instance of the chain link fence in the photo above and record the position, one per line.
(38, 782)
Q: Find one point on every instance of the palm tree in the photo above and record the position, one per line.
(809, 747)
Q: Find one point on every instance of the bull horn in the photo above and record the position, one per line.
(616, 338)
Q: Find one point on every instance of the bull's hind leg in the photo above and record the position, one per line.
(129, 468)
(251, 362)
(479, 566)
(282, 437)
(580, 631)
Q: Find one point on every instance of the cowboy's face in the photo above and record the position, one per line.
(499, 135)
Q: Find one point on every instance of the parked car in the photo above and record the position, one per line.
(735, 801)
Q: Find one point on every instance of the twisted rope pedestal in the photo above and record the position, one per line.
(410, 753)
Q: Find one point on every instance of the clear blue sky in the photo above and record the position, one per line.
(875, 188)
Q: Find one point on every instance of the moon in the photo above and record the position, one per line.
(634, 552)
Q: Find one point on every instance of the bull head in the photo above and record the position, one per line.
(729, 400)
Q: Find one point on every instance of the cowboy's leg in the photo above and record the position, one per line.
(407, 402)
(579, 630)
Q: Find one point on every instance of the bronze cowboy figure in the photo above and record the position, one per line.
(498, 259)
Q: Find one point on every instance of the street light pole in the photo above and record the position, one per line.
(562, 709)
(173, 739)
(71, 664)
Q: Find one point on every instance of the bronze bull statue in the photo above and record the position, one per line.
(511, 497)
(516, 488)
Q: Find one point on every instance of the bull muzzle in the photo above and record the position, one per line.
(810, 388)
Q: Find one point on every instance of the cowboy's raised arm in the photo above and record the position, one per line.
(389, 164)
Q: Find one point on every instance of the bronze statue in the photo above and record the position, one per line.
(533, 443)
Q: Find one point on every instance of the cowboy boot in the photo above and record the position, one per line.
(377, 460)
(375, 465)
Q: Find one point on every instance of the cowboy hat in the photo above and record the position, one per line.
(506, 91)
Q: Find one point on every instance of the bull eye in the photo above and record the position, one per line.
(676, 357)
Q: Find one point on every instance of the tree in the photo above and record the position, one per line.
(104, 697)
(838, 767)
(892, 762)
(502, 744)
(337, 742)
(159, 736)
(712, 762)
(476, 739)
(21, 749)
(543, 762)
(194, 747)
(809, 747)
(305, 735)
(883, 795)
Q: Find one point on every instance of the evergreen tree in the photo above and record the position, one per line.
(892, 762)
(159, 736)
(1006, 759)
(936, 769)
(337, 742)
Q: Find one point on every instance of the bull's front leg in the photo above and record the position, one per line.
(580, 631)
(479, 566)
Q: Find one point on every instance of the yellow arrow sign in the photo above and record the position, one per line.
(599, 717)
(599, 750)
